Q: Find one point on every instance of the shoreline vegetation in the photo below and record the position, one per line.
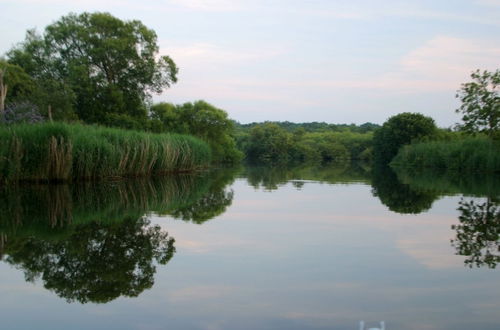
(69, 115)
(60, 152)
(477, 154)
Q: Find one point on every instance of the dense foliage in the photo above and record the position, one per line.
(95, 67)
(202, 120)
(463, 154)
(400, 130)
(317, 127)
(270, 142)
(481, 103)
(57, 151)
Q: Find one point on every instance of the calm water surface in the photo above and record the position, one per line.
(254, 248)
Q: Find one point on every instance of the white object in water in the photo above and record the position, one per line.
(362, 326)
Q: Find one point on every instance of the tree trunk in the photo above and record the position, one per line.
(49, 112)
(3, 239)
(3, 91)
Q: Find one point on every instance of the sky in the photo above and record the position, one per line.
(350, 61)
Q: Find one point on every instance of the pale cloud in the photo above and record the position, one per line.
(489, 2)
(378, 10)
(431, 250)
(448, 61)
(441, 63)
(203, 244)
(210, 5)
(203, 54)
(198, 293)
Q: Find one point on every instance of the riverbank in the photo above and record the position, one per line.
(63, 152)
(478, 154)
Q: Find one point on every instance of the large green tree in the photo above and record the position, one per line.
(481, 103)
(110, 66)
(399, 130)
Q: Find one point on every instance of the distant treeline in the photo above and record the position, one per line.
(282, 142)
(316, 126)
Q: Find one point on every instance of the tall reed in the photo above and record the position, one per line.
(69, 152)
(466, 154)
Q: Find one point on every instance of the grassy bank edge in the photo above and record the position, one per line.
(478, 154)
(50, 152)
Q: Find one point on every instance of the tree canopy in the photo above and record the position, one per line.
(399, 130)
(97, 64)
(480, 103)
(200, 119)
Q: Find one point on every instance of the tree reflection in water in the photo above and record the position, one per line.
(97, 262)
(400, 197)
(271, 178)
(95, 242)
(213, 202)
(478, 234)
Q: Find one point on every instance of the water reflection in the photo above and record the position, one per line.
(408, 191)
(93, 242)
(478, 234)
(271, 178)
(397, 196)
(95, 262)
(213, 202)
(444, 182)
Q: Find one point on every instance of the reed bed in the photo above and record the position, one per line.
(70, 152)
(467, 154)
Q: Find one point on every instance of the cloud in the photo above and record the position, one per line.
(209, 5)
(389, 9)
(448, 61)
(198, 293)
(202, 54)
(441, 63)
(495, 3)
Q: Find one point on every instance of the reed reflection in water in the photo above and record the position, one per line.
(95, 242)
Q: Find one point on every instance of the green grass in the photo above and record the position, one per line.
(70, 152)
(464, 155)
